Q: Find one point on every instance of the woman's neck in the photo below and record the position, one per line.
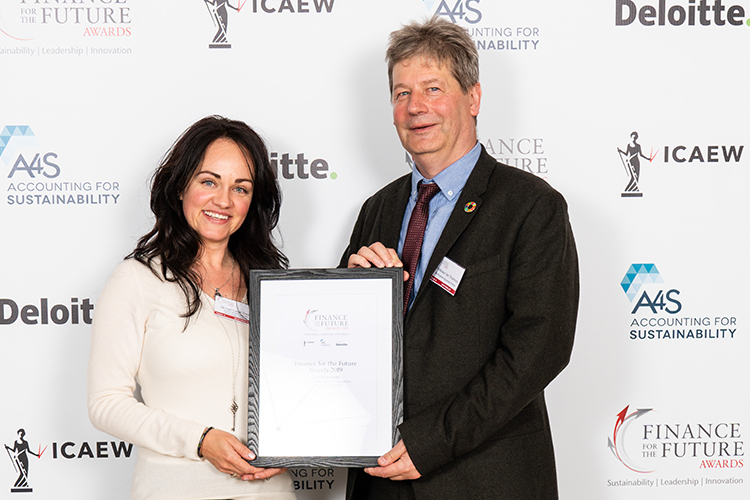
(218, 272)
(215, 258)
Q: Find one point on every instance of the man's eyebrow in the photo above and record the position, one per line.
(428, 81)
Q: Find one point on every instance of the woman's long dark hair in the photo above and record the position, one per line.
(175, 243)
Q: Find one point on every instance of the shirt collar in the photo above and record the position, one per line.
(452, 179)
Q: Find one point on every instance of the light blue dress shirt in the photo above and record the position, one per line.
(451, 182)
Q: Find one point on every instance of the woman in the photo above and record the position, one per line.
(216, 200)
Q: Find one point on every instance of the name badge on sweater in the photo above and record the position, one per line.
(448, 275)
(228, 308)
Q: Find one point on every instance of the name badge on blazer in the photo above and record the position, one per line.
(448, 275)
(228, 308)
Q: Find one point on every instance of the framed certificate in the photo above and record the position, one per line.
(325, 370)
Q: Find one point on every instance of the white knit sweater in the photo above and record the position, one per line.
(186, 385)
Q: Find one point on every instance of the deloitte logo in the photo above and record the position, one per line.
(58, 314)
(701, 13)
(297, 167)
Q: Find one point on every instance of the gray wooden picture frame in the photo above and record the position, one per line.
(254, 299)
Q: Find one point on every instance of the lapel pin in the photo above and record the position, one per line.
(470, 207)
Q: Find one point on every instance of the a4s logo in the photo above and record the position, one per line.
(664, 301)
(643, 274)
(42, 165)
(464, 10)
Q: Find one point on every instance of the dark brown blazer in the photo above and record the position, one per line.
(476, 364)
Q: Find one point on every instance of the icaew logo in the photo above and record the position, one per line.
(20, 452)
(218, 10)
(633, 157)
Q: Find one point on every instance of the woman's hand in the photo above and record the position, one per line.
(225, 452)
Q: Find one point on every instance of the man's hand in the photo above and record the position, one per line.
(376, 255)
(395, 465)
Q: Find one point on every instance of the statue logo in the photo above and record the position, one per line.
(19, 456)
(218, 11)
(632, 163)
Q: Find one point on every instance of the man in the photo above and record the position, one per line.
(484, 337)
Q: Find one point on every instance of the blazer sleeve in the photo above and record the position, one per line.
(534, 342)
(355, 240)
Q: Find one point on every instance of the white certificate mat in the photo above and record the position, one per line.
(325, 377)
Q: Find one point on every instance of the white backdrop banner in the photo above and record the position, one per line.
(631, 108)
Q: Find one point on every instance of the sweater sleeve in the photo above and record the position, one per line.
(119, 327)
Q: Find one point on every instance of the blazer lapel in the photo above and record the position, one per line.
(475, 187)
(393, 214)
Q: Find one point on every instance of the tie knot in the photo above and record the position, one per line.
(425, 191)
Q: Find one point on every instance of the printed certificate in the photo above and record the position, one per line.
(325, 381)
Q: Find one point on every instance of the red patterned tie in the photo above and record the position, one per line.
(415, 234)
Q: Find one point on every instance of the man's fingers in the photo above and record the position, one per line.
(393, 454)
(375, 255)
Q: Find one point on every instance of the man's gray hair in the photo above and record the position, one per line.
(439, 40)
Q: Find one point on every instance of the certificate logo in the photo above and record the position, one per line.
(617, 443)
(645, 441)
(61, 29)
(323, 321)
(524, 153)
